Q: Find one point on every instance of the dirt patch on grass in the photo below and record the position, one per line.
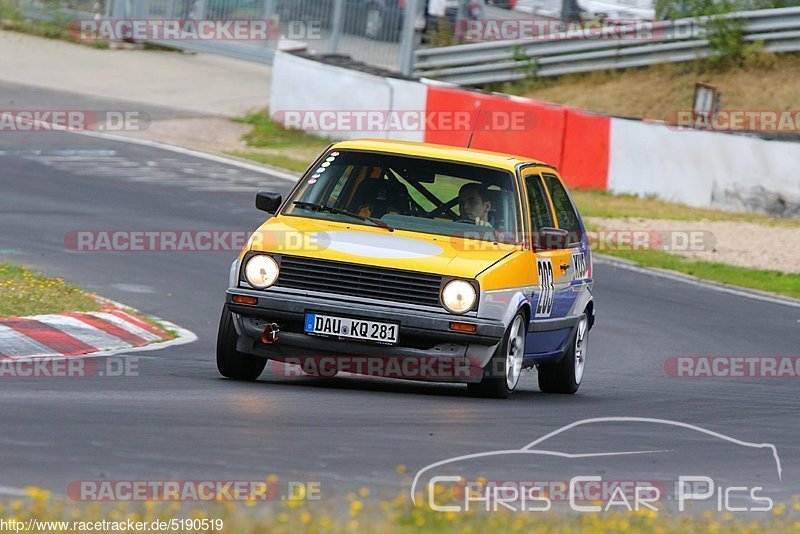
(738, 243)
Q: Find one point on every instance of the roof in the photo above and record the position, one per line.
(430, 150)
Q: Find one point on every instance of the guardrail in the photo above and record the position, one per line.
(557, 54)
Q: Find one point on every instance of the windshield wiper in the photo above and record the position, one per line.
(337, 211)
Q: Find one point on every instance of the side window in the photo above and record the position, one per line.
(565, 213)
(537, 202)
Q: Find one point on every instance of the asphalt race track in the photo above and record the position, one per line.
(180, 420)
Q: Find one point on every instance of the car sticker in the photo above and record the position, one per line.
(330, 159)
(326, 164)
(579, 265)
(320, 170)
(544, 306)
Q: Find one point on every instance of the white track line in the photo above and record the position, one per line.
(171, 148)
(84, 332)
(126, 325)
(691, 280)
(17, 345)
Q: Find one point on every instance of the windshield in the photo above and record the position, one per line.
(408, 193)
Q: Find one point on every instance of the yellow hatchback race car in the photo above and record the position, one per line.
(412, 260)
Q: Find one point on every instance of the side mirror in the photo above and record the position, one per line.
(268, 201)
(551, 238)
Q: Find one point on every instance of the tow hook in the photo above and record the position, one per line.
(270, 334)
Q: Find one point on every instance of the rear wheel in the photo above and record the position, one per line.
(566, 375)
(230, 362)
(501, 374)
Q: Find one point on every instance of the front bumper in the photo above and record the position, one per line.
(423, 334)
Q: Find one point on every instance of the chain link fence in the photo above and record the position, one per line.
(379, 33)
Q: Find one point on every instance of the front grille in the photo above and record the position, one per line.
(359, 280)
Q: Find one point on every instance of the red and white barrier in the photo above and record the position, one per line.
(698, 168)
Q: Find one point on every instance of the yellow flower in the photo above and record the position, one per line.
(400, 469)
(355, 508)
(363, 493)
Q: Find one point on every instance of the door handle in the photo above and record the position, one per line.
(564, 266)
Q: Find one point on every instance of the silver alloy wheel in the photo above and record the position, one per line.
(581, 342)
(374, 23)
(514, 352)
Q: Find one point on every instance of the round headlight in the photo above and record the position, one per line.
(261, 271)
(458, 296)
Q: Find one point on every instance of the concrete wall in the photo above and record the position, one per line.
(705, 169)
(697, 168)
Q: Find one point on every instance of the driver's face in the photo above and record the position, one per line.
(472, 205)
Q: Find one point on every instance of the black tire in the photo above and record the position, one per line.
(561, 376)
(230, 362)
(494, 383)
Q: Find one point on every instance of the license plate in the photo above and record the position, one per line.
(347, 327)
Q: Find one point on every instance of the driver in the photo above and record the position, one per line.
(473, 204)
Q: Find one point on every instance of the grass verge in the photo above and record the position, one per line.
(53, 25)
(765, 81)
(358, 514)
(785, 284)
(23, 292)
(596, 203)
(272, 144)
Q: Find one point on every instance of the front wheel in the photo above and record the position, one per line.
(501, 374)
(566, 375)
(230, 362)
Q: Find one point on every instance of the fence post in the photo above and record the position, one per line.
(269, 16)
(336, 25)
(410, 38)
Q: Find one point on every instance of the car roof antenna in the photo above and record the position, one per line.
(474, 126)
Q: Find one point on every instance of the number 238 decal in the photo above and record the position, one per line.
(544, 306)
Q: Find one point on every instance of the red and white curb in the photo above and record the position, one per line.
(112, 330)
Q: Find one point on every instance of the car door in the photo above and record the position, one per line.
(567, 218)
(552, 299)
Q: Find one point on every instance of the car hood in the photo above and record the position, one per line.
(366, 245)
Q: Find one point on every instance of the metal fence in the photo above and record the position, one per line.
(381, 33)
(557, 54)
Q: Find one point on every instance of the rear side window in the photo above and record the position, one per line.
(565, 212)
(537, 202)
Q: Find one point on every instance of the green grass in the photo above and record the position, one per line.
(55, 27)
(23, 292)
(772, 281)
(595, 203)
(272, 144)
